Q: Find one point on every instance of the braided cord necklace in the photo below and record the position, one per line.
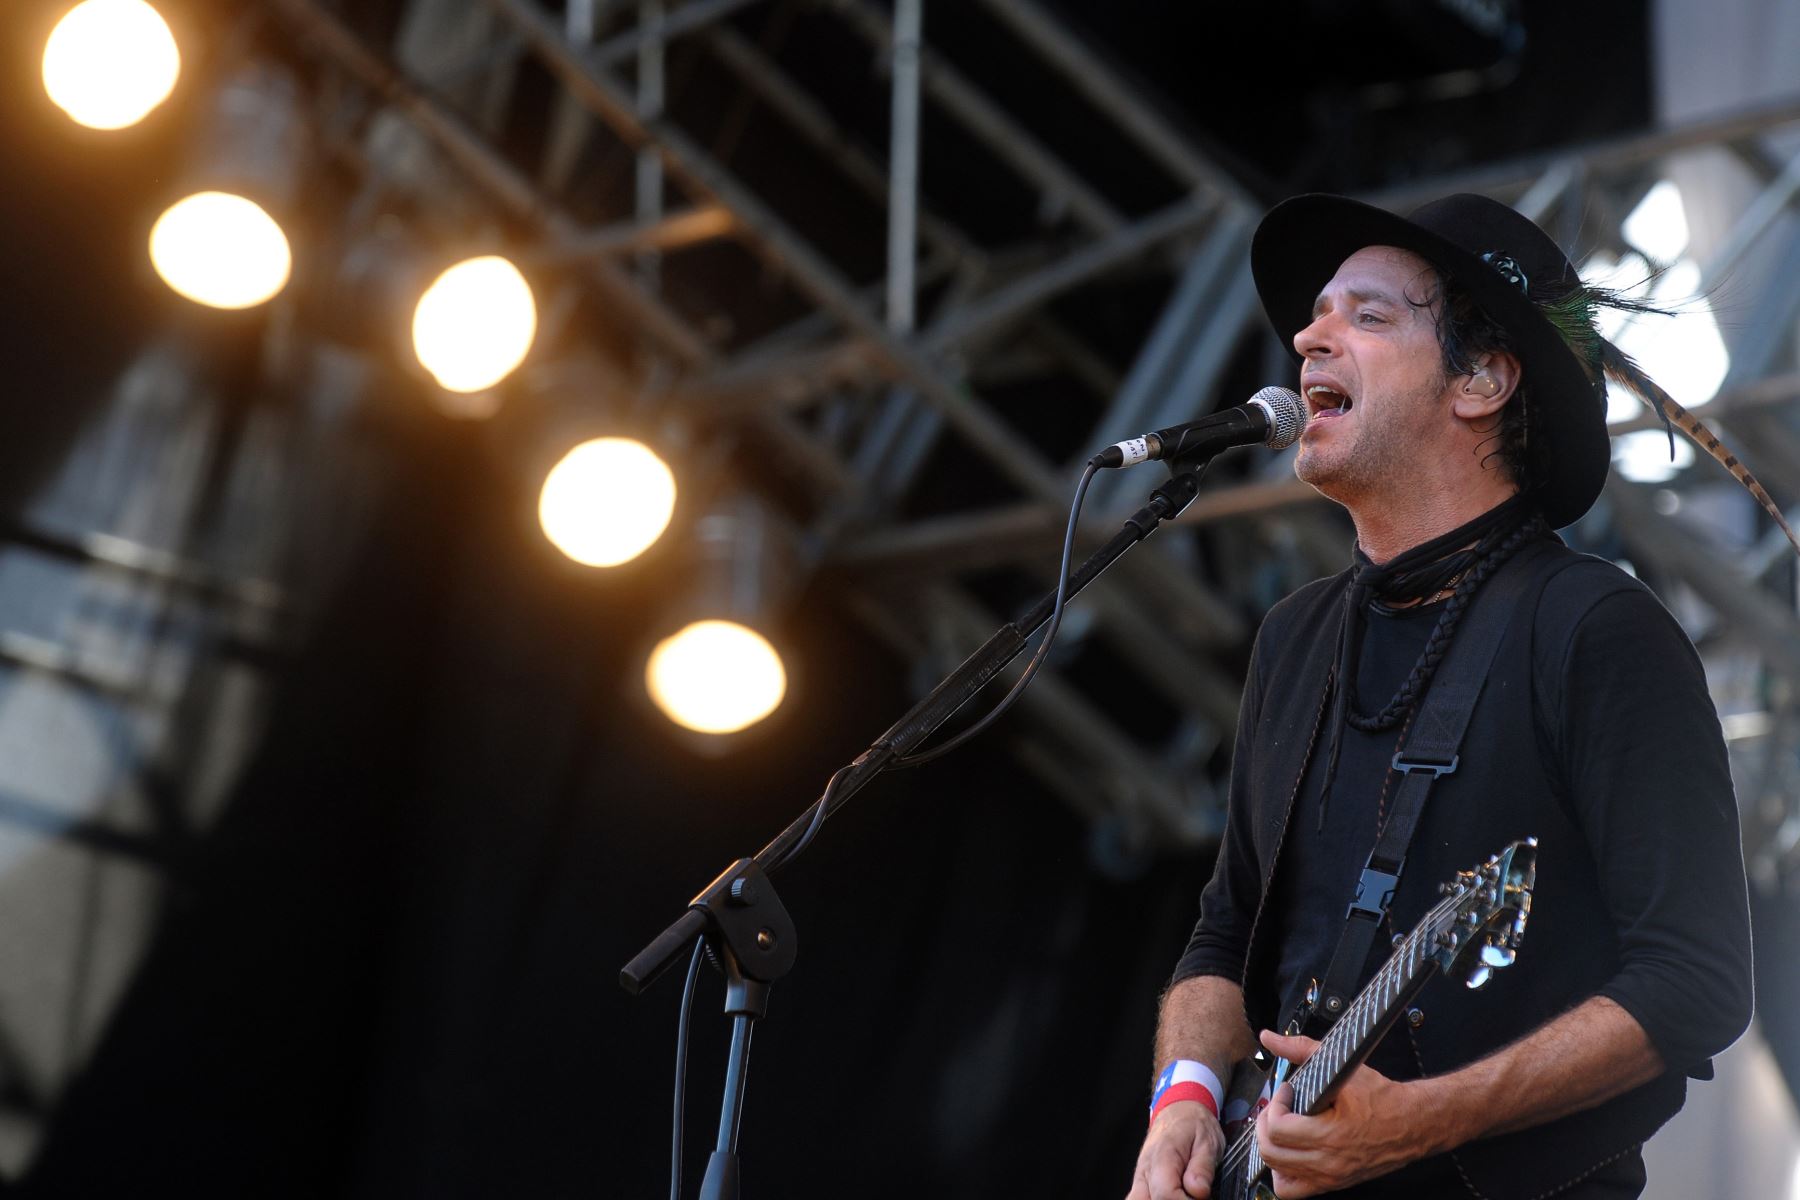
(1459, 562)
(1445, 564)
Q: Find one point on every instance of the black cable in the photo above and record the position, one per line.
(821, 807)
(681, 1049)
(820, 810)
(1037, 660)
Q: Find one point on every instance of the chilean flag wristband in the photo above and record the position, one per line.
(1185, 1079)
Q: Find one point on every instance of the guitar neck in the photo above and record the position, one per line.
(1371, 1013)
(1483, 910)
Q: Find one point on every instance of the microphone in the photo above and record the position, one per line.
(1274, 417)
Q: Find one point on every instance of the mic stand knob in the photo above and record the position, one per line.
(754, 943)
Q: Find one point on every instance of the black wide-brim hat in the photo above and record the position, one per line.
(1506, 264)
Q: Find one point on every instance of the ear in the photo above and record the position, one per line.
(1469, 394)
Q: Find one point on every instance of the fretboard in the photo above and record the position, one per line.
(1372, 1012)
(1351, 1039)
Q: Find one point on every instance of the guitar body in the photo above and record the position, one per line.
(1472, 932)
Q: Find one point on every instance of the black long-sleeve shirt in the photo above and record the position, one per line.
(1595, 733)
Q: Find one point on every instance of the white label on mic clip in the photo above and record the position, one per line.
(1137, 450)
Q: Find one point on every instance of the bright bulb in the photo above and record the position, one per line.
(607, 501)
(474, 324)
(220, 250)
(716, 677)
(109, 62)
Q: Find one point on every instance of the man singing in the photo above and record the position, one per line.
(1457, 388)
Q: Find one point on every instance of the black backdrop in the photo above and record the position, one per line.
(392, 968)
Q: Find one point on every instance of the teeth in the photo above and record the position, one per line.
(1329, 396)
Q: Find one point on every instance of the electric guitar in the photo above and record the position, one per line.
(1473, 931)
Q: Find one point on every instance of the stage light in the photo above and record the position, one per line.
(224, 242)
(607, 501)
(475, 324)
(719, 673)
(716, 677)
(220, 250)
(109, 62)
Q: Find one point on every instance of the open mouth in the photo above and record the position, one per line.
(1327, 403)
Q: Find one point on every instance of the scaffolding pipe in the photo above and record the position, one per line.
(763, 76)
(658, 32)
(993, 438)
(1009, 140)
(487, 170)
(1082, 67)
(1015, 299)
(1769, 204)
(652, 49)
(1605, 155)
(903, 174)
(1749, 612)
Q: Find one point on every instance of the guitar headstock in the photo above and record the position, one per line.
(1484, 914)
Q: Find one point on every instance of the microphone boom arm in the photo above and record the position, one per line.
(920, 721)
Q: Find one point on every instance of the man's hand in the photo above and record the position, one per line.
(1179, 1154)
(1367, 1130)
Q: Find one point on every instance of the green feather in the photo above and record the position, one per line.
(1572, 314)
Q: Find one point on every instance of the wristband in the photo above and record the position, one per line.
(1185, 1079)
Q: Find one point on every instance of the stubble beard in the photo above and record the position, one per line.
(1371, 464)
(1355, 468)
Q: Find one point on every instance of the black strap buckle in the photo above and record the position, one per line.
(1424, 766)
(1374, 892)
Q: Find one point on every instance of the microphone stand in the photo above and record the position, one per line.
(749, 933)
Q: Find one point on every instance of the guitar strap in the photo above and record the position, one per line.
(1427, 754)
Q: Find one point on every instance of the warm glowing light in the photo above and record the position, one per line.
(475, 324)
(220, 250)
(109, 62)
(467, 406)
(716, 677)
(607, 501)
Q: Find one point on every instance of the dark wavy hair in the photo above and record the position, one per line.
(1465, 332)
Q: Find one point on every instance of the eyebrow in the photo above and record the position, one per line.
(1358, 296)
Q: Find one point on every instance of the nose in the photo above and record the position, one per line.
(1319, 339)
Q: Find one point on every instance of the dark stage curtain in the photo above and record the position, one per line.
(391, 969)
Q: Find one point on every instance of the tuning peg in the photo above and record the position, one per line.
(1479, 976)
(1497, 955)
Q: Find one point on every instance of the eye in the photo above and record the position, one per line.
(1370, 318)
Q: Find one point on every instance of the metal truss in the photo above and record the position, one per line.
(146, 600)
(869, 375)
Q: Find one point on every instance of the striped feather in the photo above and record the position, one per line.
(1622, 370)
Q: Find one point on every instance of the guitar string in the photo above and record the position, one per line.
(1339, 1044)
(1245, 1146)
